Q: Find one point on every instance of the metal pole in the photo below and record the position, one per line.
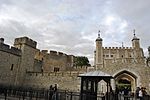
(71, 96)
(107, 92)
(5, 93)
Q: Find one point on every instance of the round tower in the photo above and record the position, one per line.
(99, 52)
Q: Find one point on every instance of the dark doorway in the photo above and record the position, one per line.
(124, 84)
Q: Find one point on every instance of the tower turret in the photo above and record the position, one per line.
(99, 51)
(28, 50)
(137, 50)
(135, 41)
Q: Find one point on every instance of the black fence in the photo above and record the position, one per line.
(28, 93)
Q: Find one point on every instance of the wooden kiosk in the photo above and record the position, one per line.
(89, 84)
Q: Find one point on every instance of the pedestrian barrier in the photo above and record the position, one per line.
(28, 93)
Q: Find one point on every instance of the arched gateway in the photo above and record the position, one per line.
(125, 79)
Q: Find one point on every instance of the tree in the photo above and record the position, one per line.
(81, 61)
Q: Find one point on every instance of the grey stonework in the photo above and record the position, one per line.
(123, 63)
(24, 57)
(24, 64)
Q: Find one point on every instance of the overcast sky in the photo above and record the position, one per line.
(71, 26)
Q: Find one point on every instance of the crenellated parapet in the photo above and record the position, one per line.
(117, 48)
(25, 40)
(53, 60)
(47, 74)
(60, 53)
(9, 49)
(44, 51)
(53, 53)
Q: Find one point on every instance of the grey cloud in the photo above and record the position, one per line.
(71, 26)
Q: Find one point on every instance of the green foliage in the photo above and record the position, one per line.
(81, 61)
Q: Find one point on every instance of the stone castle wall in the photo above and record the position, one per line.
(28, 49)
(26, 41)
(65, 80)
(37, 65)
(141, 71)
(25, 57)
(11, 50)
(54, 59)
(35, 68)
(9, 64)
(112, 55)
(118, 52)
(122, 54)
(124, 63)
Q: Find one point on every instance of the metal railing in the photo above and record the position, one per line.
(28, 93)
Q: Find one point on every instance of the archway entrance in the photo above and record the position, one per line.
(123, 84)
(125, 80)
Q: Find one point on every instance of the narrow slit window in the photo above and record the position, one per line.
(12, 67)
(56, 69)
(107, 55)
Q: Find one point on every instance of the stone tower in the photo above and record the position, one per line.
(99, 52)
(28, 50)
(137, 50)
(135, 42)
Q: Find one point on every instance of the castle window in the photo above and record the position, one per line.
(112, 55)
(122, 56)
(12, 66)
(107, 55)
(56, 69)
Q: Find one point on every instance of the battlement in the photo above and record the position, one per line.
(8, 49)
(44, 51)
(117, 48)
(60, 53)
(58, 74)
(25, 40)
(53, 53)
